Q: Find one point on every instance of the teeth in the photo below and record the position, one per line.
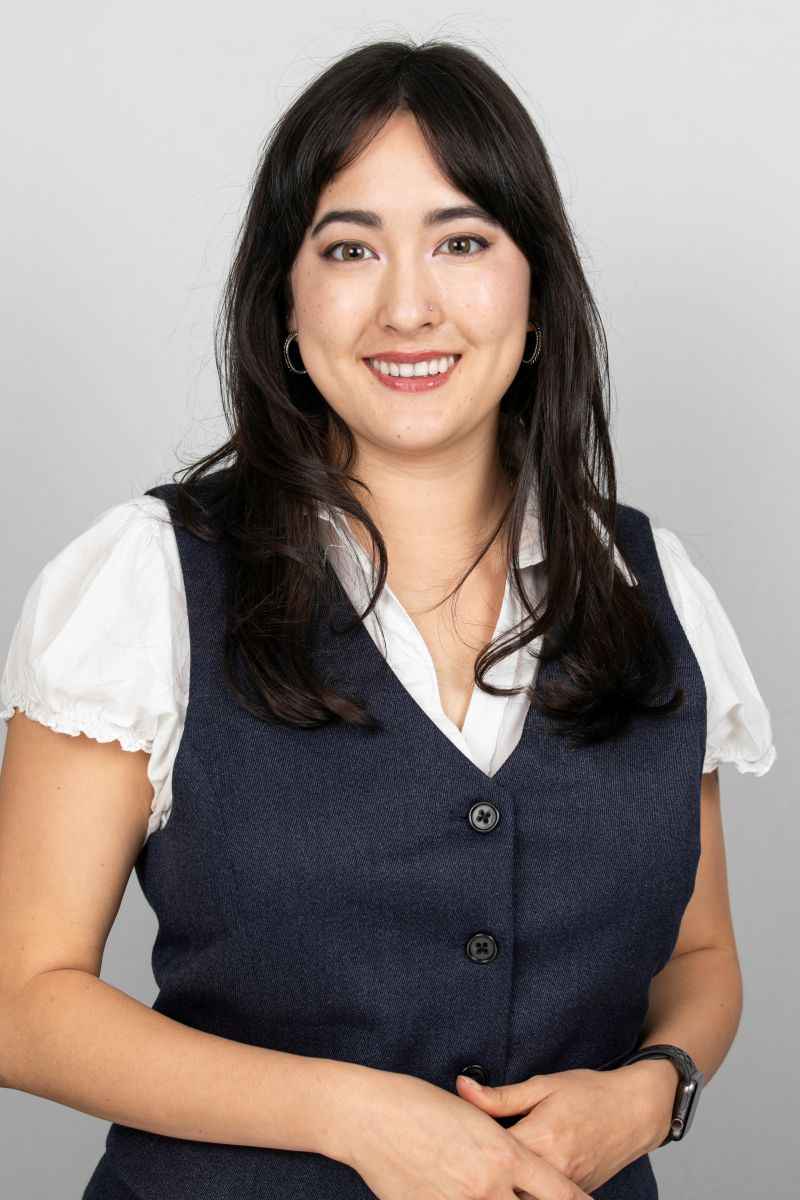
(436, 366)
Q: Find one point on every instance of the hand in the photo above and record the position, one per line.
(588, 1124)
(411, 1140)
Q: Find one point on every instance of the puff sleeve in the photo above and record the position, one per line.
(739, 728)
(100, 645)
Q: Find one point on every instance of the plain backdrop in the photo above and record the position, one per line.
(130, 133)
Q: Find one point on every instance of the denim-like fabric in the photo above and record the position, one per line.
(316, 889)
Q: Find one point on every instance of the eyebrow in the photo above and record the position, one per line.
(436, 216)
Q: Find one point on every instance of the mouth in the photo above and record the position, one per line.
(413, 376)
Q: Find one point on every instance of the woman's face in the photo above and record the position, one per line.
(387, 283)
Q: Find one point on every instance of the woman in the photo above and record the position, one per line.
(380, 875)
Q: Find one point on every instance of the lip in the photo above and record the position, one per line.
(413, 356)
(411, 383)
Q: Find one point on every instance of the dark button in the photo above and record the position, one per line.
(483, 816)
(482, 947)
(476, 1071)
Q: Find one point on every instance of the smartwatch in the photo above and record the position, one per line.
(689, 1087)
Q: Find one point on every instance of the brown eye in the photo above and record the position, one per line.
(463, 240)
(346, 247)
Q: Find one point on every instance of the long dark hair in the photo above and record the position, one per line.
(289, 451)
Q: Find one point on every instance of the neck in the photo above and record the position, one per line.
(434, 526)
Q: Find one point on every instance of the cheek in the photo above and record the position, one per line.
(335, 317)
(320, 299)
(493, 305)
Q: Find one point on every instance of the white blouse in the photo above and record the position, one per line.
(101, 647)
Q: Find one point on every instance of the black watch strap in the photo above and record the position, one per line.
(689, 1086)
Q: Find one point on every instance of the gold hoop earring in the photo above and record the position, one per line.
(286, 346)
(537, 348)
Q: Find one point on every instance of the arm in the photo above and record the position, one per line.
(696, 1000)
(73, 814)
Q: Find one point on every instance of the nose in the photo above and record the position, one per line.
(407, 299)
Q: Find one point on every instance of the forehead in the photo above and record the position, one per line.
(395, 164)
(395, 183)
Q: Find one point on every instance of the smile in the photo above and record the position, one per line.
(413, 377)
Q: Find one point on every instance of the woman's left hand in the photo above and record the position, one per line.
(589, 1124)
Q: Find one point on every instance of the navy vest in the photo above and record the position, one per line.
(374, 897)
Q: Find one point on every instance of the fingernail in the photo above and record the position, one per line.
(469, 1079)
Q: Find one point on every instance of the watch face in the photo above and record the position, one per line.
(687, 1105)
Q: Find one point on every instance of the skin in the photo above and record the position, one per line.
(430, 459)
(430, 463)
(66, 853)
(586, 1123)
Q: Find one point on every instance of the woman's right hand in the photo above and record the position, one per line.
(416, 1141)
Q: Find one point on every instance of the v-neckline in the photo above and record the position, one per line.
(532, 716)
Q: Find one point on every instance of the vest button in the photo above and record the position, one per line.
(482, 947)
(483, 816)
(476, 1071)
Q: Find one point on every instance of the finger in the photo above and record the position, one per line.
(504, 1100)
(543, 1181)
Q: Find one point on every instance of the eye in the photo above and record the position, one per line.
(332, 255)
(329, 253)
(466, 238)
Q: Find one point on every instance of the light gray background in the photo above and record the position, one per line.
(130, 134)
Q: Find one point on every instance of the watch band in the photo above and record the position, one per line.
(689, 1086)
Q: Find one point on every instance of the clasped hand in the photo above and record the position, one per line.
(588, 1124)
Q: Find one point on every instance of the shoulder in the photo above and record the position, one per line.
(209, 492)
(101, 642)
(739, 727)
(95, 642)
(120, 532)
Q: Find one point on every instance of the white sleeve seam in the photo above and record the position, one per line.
(758, 766)
(73, 723)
